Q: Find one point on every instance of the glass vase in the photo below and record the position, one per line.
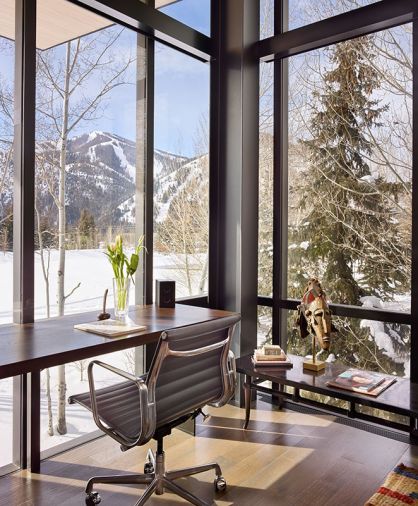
(121, 296)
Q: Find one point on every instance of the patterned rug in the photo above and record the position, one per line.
(400, 488)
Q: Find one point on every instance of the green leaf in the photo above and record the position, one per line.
(133, 265)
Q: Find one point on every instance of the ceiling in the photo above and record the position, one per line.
(57, 21)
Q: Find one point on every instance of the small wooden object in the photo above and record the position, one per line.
(104, 315)
(311, 364)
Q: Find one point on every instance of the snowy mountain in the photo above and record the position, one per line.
(101, 178)
(177, 175)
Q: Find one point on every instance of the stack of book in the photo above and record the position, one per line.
(362, 382)
(271, 356)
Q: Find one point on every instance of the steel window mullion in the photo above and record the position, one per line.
(280, 98)
(355, 23)
(214, 160)
(152, 23)
(345, 311)
(149, 191)
(24, 162)
(23, 207)
(149, 177)
(414, 245)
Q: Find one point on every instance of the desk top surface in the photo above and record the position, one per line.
(402, 396)
(46, 343)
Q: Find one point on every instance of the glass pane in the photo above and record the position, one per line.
(264, 326)
(181, 171)
(265, 199)
(89, 143)
(6, 422)
(266, 18)
(79, 421)
(350, 170)
(194, 13)
(6, 175)
(360, 343)
(304, 12)
(90, 166)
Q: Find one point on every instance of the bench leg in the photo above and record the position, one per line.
(276, 395)
(247, 400)
(413, 432)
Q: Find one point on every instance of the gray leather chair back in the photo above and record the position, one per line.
(192, 366)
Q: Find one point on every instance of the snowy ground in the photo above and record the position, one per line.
(92, 270)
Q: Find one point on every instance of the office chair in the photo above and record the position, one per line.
(192, 366)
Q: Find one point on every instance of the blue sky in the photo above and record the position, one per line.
(181, 88)
(194, 13)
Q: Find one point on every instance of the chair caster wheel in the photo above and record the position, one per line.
(148, 468)
(220, 484)
(92, 499)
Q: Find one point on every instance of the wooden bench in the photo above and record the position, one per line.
(401, 398)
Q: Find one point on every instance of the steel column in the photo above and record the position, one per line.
(414, 245)
(237, 210)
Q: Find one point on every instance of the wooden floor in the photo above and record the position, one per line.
(284, 458)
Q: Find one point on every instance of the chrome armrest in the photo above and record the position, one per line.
(229, 381)
(147, 412)
(232, 369)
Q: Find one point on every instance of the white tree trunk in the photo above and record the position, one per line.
(62, 387)
(204, 274)
(44, 265)
(61, 188)
(48, 396)
(62, 390)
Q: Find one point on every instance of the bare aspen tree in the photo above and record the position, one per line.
(6, 157)
(64, 106)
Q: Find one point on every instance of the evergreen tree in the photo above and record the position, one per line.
(349, 232)
(86, 229)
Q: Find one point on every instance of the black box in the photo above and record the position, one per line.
(165, 293)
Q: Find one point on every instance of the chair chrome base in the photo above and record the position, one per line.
(157, 480)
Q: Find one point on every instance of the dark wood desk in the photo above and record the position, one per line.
(400, 398)
(47, 343)
(29, 348)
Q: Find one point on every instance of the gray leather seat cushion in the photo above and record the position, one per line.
(118, 406)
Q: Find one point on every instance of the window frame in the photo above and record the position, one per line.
(361, 21)
(144, 19)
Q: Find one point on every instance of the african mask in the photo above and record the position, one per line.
(314, 315)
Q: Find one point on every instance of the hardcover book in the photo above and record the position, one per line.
(271, 363)
(110, 328)
(270, 355)
(269, 352)
(271, 349)
(363, 382)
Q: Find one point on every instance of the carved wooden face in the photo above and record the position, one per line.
(318, 317)
(314, 315)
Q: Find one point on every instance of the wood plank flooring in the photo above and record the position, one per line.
(284, 458)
